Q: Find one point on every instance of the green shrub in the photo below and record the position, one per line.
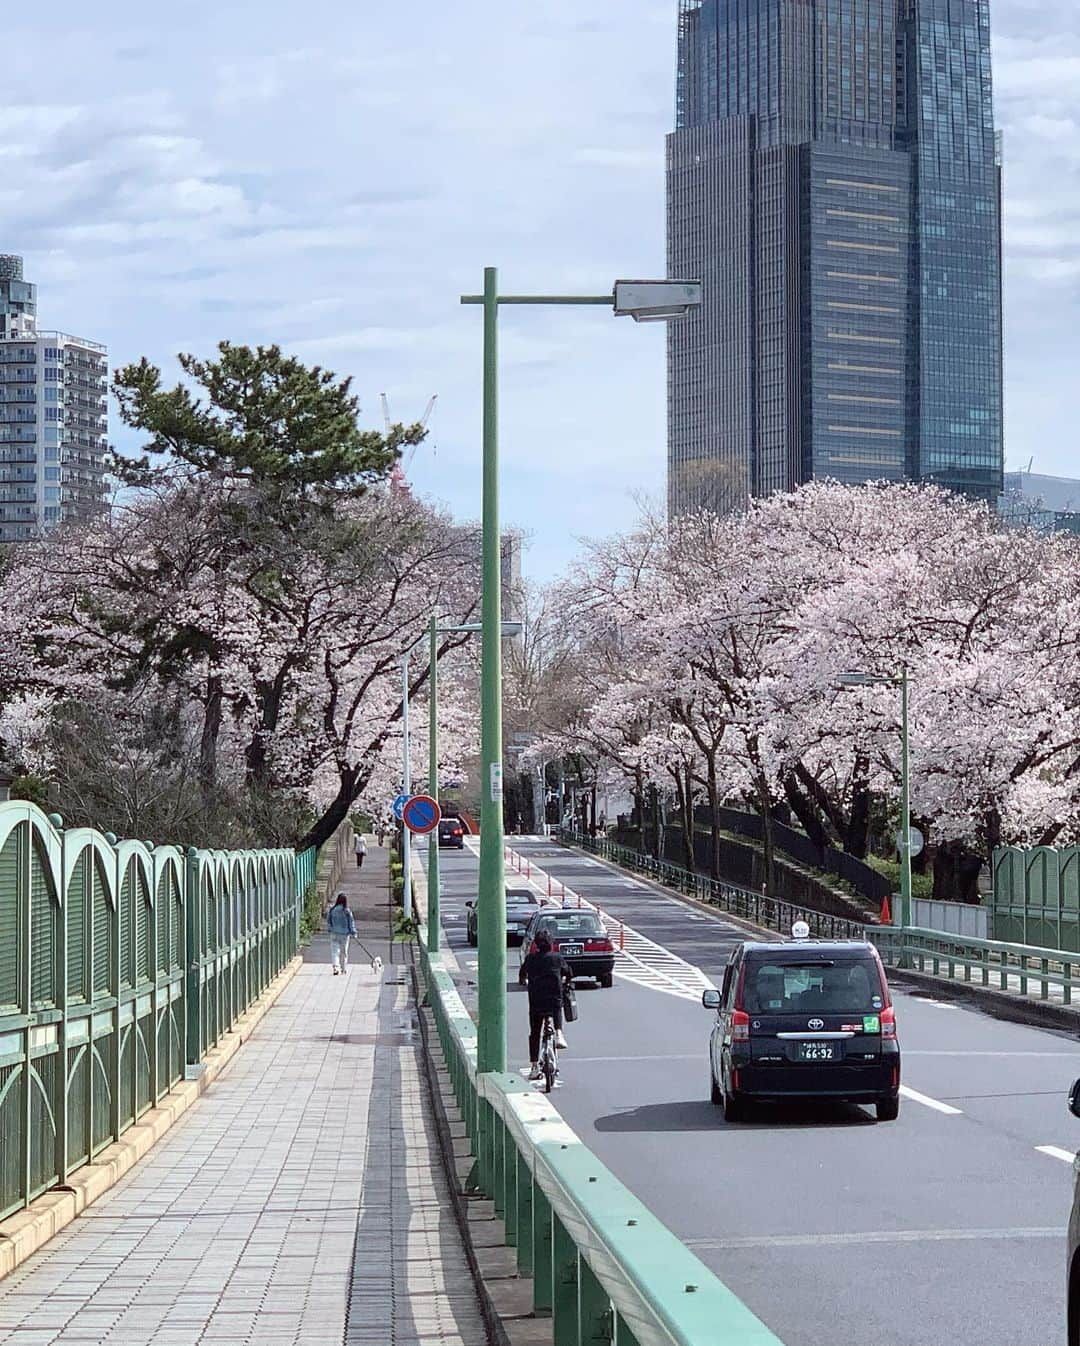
(922, 885)
(310, 913)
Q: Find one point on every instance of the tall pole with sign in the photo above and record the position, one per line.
(406, 788)
(434, 913)
(491, 902)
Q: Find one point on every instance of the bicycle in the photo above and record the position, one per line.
(549, 1057)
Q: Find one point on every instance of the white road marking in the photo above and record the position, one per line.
(640, 960)
(874, 1236)
(1055, 1152)
(928, 1102)
(1074, 1055)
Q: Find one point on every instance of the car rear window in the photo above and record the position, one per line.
(572, 923)
(833, 987)
(518, 898)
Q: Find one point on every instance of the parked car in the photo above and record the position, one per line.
(804, 1019)
(521, 906)
(452, 833)
(581, 939)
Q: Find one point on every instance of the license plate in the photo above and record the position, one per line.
(571, 950)
(818, 1051)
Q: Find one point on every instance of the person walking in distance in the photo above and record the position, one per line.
(545, 973)
(361, 850)
(341, 928)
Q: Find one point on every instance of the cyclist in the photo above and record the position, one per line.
(545, 973)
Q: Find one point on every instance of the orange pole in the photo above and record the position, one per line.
(622, 936)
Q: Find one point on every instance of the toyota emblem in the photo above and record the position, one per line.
(816, 1023)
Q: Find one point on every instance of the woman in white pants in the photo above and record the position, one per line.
(341, 927)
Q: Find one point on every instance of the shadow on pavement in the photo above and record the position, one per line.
(693, 1115)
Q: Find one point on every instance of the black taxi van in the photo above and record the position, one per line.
(804, 1019)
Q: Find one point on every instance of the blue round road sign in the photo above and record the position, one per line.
(421, 814)
(398, 806)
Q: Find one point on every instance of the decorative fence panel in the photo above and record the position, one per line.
(1036, 897)
(121, 964)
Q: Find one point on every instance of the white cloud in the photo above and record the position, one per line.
(191, 175)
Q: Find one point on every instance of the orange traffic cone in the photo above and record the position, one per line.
(886, 911)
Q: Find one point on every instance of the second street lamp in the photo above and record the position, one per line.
(644, 301)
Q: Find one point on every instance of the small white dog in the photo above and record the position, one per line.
(376, 965)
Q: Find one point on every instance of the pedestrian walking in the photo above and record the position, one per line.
(341, 927)
(361, 850)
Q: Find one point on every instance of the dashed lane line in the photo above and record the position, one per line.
(928, 1102)
(1056, 1152)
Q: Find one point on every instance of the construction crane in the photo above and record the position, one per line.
(406, 462)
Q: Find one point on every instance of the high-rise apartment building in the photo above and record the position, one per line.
(834, 179)
(53, 417)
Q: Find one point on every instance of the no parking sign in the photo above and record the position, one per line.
(421, 815)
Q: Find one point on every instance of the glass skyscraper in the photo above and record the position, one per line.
(53, 417)
(835, 181)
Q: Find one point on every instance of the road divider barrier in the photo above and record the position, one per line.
(603, 1267)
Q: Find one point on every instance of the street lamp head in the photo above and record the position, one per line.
(471, 628)
(656, 300)
(862, 680)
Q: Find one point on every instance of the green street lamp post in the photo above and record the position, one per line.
(644, 301)
(904, 841)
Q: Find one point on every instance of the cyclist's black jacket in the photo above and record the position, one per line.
(545, 973)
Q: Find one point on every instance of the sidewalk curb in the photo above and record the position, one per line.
(28, 1230)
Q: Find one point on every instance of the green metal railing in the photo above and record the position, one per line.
(603, 1268)
(1020, 968)
(771, 913)
(121, 965)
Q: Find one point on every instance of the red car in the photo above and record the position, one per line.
(581, 939)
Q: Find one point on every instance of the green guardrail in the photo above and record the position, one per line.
(603, 1268)
(121, 965)
(771, 913)
(1020, 968)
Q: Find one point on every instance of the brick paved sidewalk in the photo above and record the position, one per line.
(302, 1200)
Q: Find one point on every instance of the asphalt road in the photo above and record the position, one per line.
(944, 1228)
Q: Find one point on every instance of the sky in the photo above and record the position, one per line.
(333, 176)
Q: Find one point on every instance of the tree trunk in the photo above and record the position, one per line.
(684, 793)
(210, 731)
(325, 827)
(956, 873)
(857, 836)
(822, 801)
(804, 809)
(768, 849)
(714, 830)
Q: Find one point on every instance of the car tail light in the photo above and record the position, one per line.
(599, 946)
(740, 1026)
(888, 1022)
